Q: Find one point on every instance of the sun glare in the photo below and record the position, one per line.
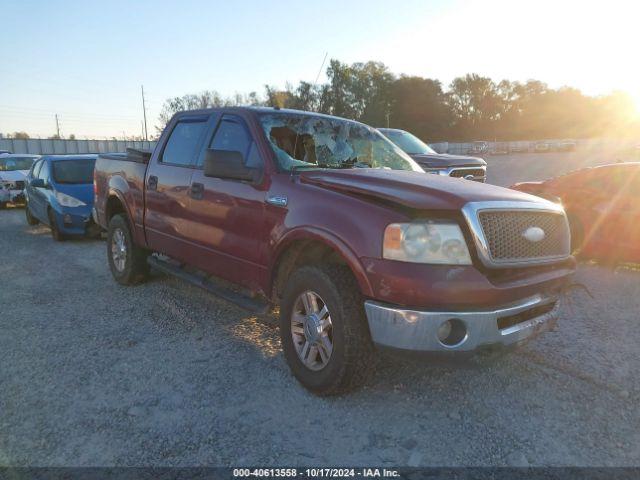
(636, 104)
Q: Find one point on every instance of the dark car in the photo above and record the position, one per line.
(470, 168)
(60, 194)
(603, 207)
(328, 219)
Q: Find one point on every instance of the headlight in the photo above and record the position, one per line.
(426, 242)
(68, 201)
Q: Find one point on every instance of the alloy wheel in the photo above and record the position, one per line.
(312, 330)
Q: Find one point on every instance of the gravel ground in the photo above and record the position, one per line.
(92, 373)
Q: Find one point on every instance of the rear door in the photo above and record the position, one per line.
(167, 184)
(227, 216)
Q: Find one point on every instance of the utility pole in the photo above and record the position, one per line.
(144, 113)
(58, 126)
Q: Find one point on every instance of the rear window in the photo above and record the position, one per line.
(73, 171)
(9, 164)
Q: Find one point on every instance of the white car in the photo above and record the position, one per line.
(13, 174)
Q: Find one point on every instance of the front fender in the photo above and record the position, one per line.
(330, 240)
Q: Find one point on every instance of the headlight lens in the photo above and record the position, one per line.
(426, 242)
(68, 201)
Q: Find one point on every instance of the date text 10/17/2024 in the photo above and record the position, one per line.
(316, 472)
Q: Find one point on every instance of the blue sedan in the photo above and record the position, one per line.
(59, 193)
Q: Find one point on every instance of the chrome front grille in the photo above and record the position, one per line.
(516, 233)
(475, 172)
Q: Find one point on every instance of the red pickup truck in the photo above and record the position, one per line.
(331, 221)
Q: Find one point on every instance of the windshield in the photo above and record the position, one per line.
(408, 142)
(9, 164)
(74, 171)
(307, 141)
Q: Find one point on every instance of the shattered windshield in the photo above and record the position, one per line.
(308, 141)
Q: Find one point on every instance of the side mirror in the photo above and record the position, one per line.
(227, 164)
(37, 183)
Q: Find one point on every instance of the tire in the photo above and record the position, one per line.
(127, 261)
(53, 224)
(31, 220)
(350, 362)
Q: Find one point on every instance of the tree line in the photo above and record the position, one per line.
(472, 107)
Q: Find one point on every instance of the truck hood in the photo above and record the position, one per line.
(415, 190)
(445, 160)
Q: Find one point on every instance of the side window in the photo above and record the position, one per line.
(44, 173)
(183, 142)
(36, 168)
(232, 135)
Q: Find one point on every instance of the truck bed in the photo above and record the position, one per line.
(123, 173)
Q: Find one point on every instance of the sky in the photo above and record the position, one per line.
(86, 60)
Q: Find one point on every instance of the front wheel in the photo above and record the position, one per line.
(127, 261)
(323, 330)
(53, 224)
(31, 220)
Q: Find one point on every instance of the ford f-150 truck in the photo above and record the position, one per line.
(328, 219)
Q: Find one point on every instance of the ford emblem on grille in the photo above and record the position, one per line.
(534, 234)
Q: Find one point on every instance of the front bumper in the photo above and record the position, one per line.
(413, 330)
(76, 221)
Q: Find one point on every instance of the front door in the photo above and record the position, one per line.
(168, 180)
(38, 196)
(227, 216)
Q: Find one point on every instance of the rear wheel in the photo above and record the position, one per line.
(323, 329)
(31, 220)
(55, 231)
(127, 261)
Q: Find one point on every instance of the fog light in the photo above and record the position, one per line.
(67, 219)
(452, 332)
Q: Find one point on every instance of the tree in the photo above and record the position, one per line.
(420, 106)
(474, 107)
(20, 135)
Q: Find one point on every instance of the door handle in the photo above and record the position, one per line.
(197, 191)
(152, 183)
